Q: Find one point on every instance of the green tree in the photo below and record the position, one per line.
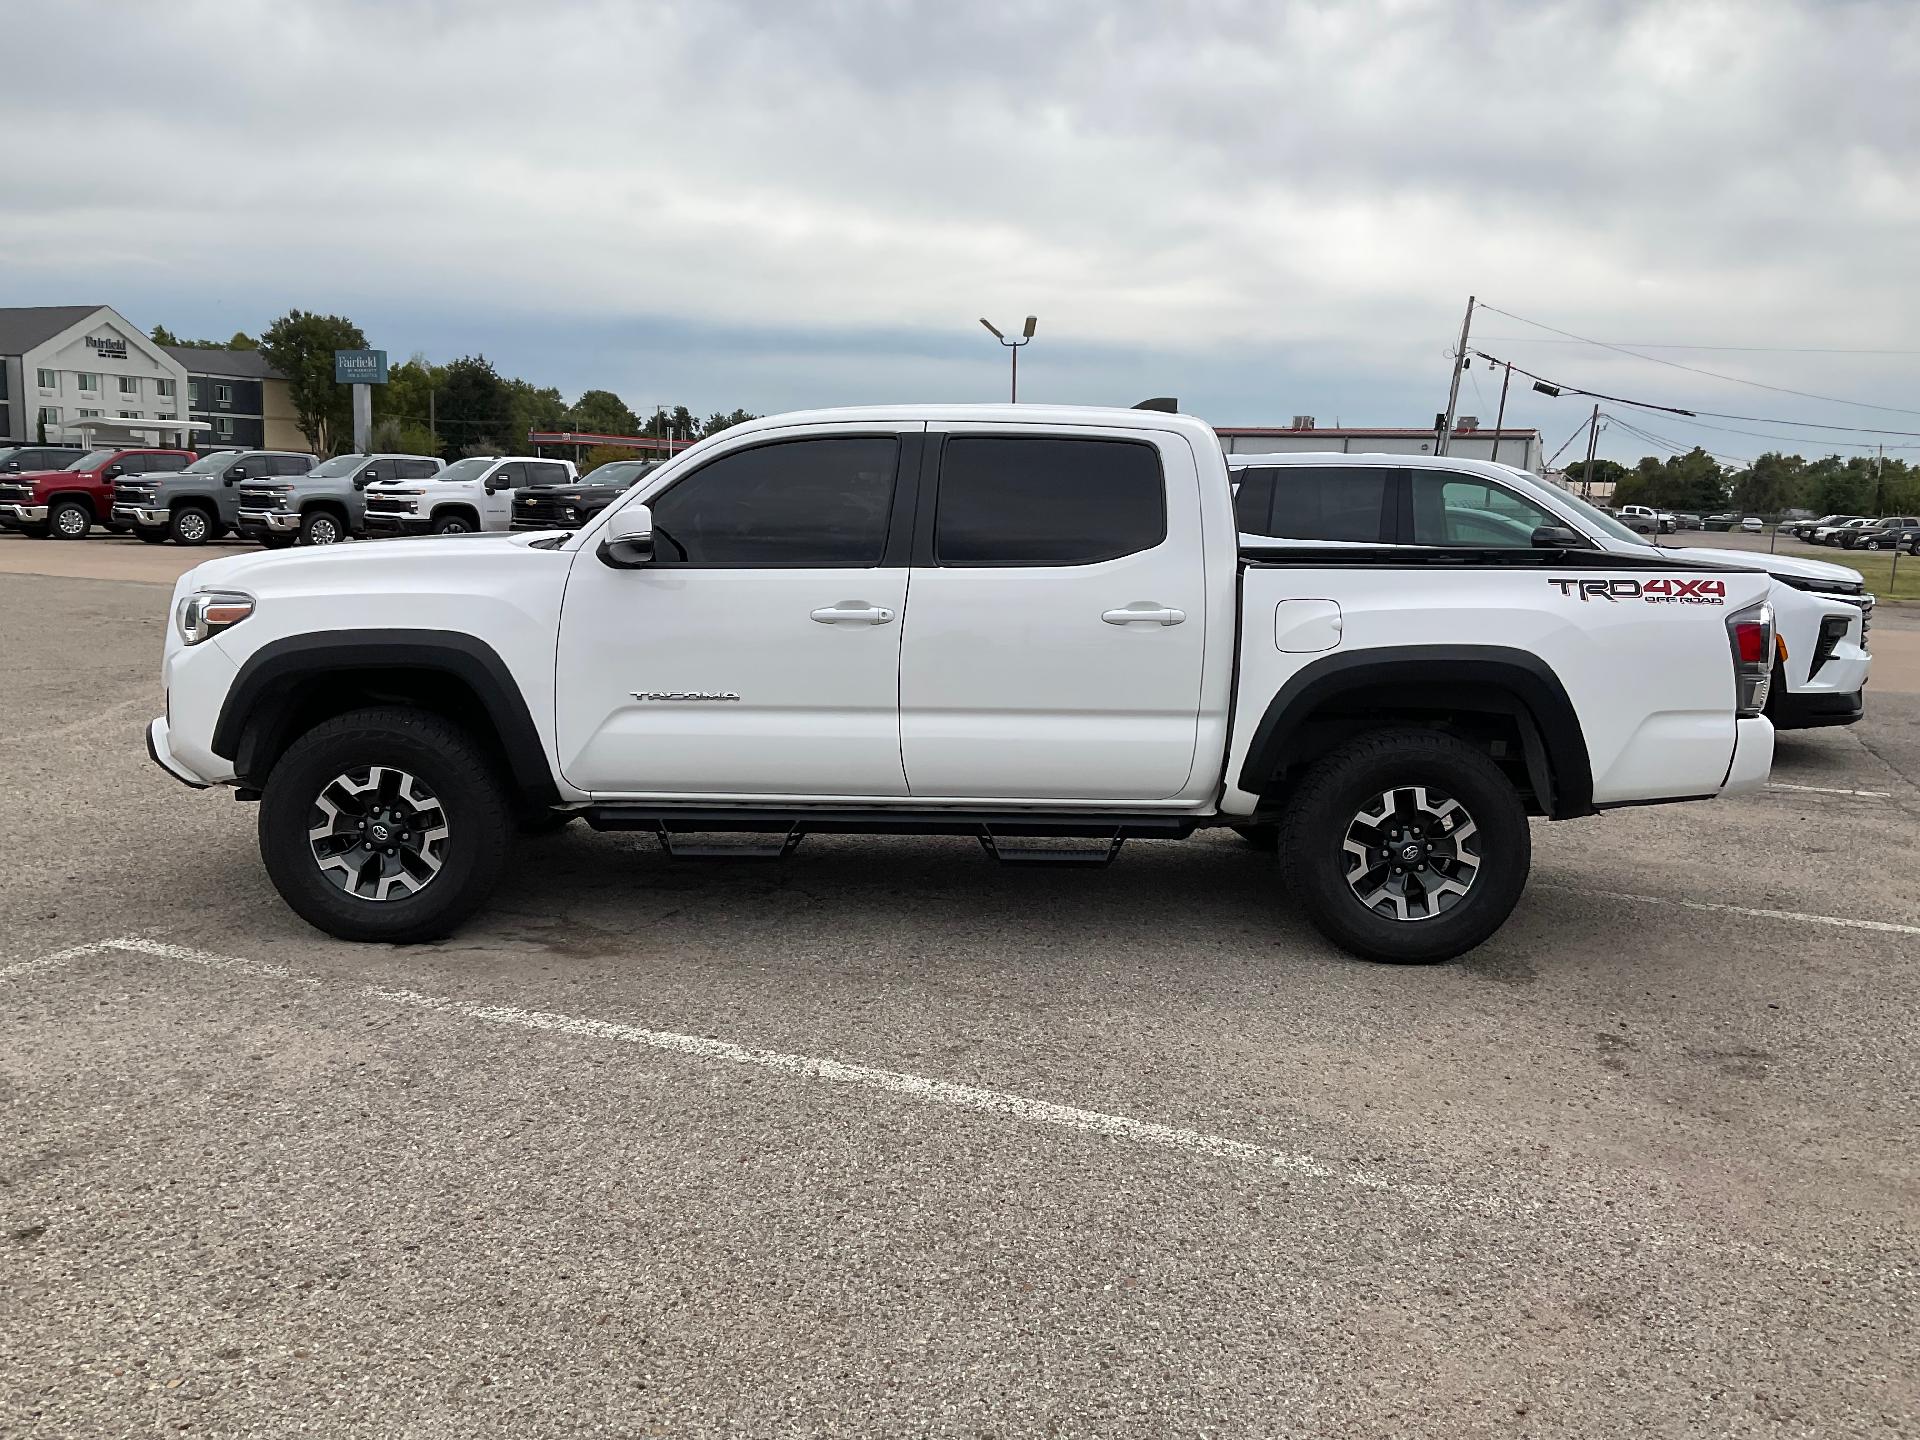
(240, 341)
(1768, 486)
(601, 412)
(475, 409)
(300, 346)
(1604, 471)
(408, 397)
(533, 407)
(717, 422)
(404, 437)
(605, 455)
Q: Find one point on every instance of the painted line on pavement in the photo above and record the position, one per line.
(1830, 790)
(896, 1082)
(1884, 926)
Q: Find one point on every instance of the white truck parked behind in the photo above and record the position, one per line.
(1822, 612)
(470, 495)
(1022, 624)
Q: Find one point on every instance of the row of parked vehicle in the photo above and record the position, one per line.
(1860, 532)
(1648, 520)
(283, 497)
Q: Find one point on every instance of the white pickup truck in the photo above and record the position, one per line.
(1030, 625)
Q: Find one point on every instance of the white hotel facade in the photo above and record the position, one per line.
(81, 373)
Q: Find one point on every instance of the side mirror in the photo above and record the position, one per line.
(13, 466)
(110, 471)
(1555, 537)
(628, 542)
(238, 472)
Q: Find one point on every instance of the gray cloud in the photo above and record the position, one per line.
(1270, 207)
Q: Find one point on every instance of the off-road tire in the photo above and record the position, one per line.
(190, 525)
(61, 523)
(448, 761)
(1325, 804)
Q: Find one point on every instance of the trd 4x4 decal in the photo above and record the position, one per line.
(1663, 591)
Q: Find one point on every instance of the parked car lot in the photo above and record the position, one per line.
(885, 1137)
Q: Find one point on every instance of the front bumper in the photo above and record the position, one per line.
(159, 750)
(23, 514)
(383, 523)
(141, 515)
(279, 522)
(1752, 755)
(1812, 709)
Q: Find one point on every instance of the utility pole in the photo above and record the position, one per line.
(1880, 484)
(1453, 390)
(432, 410)
(1593, 444)
(1501, 418)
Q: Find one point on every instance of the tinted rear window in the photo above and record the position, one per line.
(1011, 500)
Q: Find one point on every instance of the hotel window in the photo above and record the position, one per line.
(223, 427)
(129, 384)
(223, 394)
(163, 388)
(193, 392)
(92, 415)
(89, 384)
(129, 414)
(49, 414)
(48, 380)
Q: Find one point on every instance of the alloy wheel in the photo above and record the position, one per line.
(1412, 853)
(322, 531)
(71, 521)
(191, 526)
(378, 833)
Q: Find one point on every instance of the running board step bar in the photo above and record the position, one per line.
(1000, 833)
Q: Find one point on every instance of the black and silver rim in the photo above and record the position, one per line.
(191, 525)
(71, 520)
(378, 833)
(453, 527)
(1412, 853)
(322, 531)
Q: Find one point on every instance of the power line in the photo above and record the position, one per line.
(1558, 388)
(1630, 345)
(1697, 370)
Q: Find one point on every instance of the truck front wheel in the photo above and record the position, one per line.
(191, 525)
(69, 520)
(385, 824)
(1406, 846)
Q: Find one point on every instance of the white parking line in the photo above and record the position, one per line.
(1830, 790)
(1885, 926)
(896, 1082)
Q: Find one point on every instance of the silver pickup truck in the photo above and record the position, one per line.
(327, 504)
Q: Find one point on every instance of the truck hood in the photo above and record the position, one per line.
(1792, 565)
(304, 566)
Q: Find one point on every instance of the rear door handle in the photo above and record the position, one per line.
(853, 610)
(1144, 612)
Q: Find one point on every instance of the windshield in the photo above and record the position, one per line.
(1602, 521)
(207, 464)
(92, 459)
(471, 468)
(621, 472)
(338, 466)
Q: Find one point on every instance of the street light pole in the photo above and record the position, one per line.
(1026, 335)
(1453, 390)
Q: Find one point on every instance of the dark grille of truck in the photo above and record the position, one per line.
(16, 493)
(543, 509)
(257, 499)
(389, 505)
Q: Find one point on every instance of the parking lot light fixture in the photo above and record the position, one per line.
(1013, 346)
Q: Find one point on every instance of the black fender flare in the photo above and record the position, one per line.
(1487, 678)
(267, 675)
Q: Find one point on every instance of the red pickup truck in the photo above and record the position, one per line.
(68, 503)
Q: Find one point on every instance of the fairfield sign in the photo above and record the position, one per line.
(110, 346)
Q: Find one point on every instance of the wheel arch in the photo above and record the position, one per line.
(86, 499)
(463, 508)
(289, 685)
(1491, 691)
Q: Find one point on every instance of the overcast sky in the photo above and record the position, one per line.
(1263, 209)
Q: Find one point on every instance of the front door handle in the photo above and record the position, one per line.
(853, 610)
(1144, 612)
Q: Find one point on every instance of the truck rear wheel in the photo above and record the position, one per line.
(385, 824)
(69, 520)
(1406, 846)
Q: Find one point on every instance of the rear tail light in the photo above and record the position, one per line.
(1750, 634)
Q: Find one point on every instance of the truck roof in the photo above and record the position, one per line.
(1057, 416)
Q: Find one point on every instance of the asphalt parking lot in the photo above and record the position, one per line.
(885, 1140)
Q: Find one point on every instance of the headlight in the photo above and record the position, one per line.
(205, 613)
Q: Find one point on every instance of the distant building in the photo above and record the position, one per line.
(1520, 448)
(81, 373)
(246, 402)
